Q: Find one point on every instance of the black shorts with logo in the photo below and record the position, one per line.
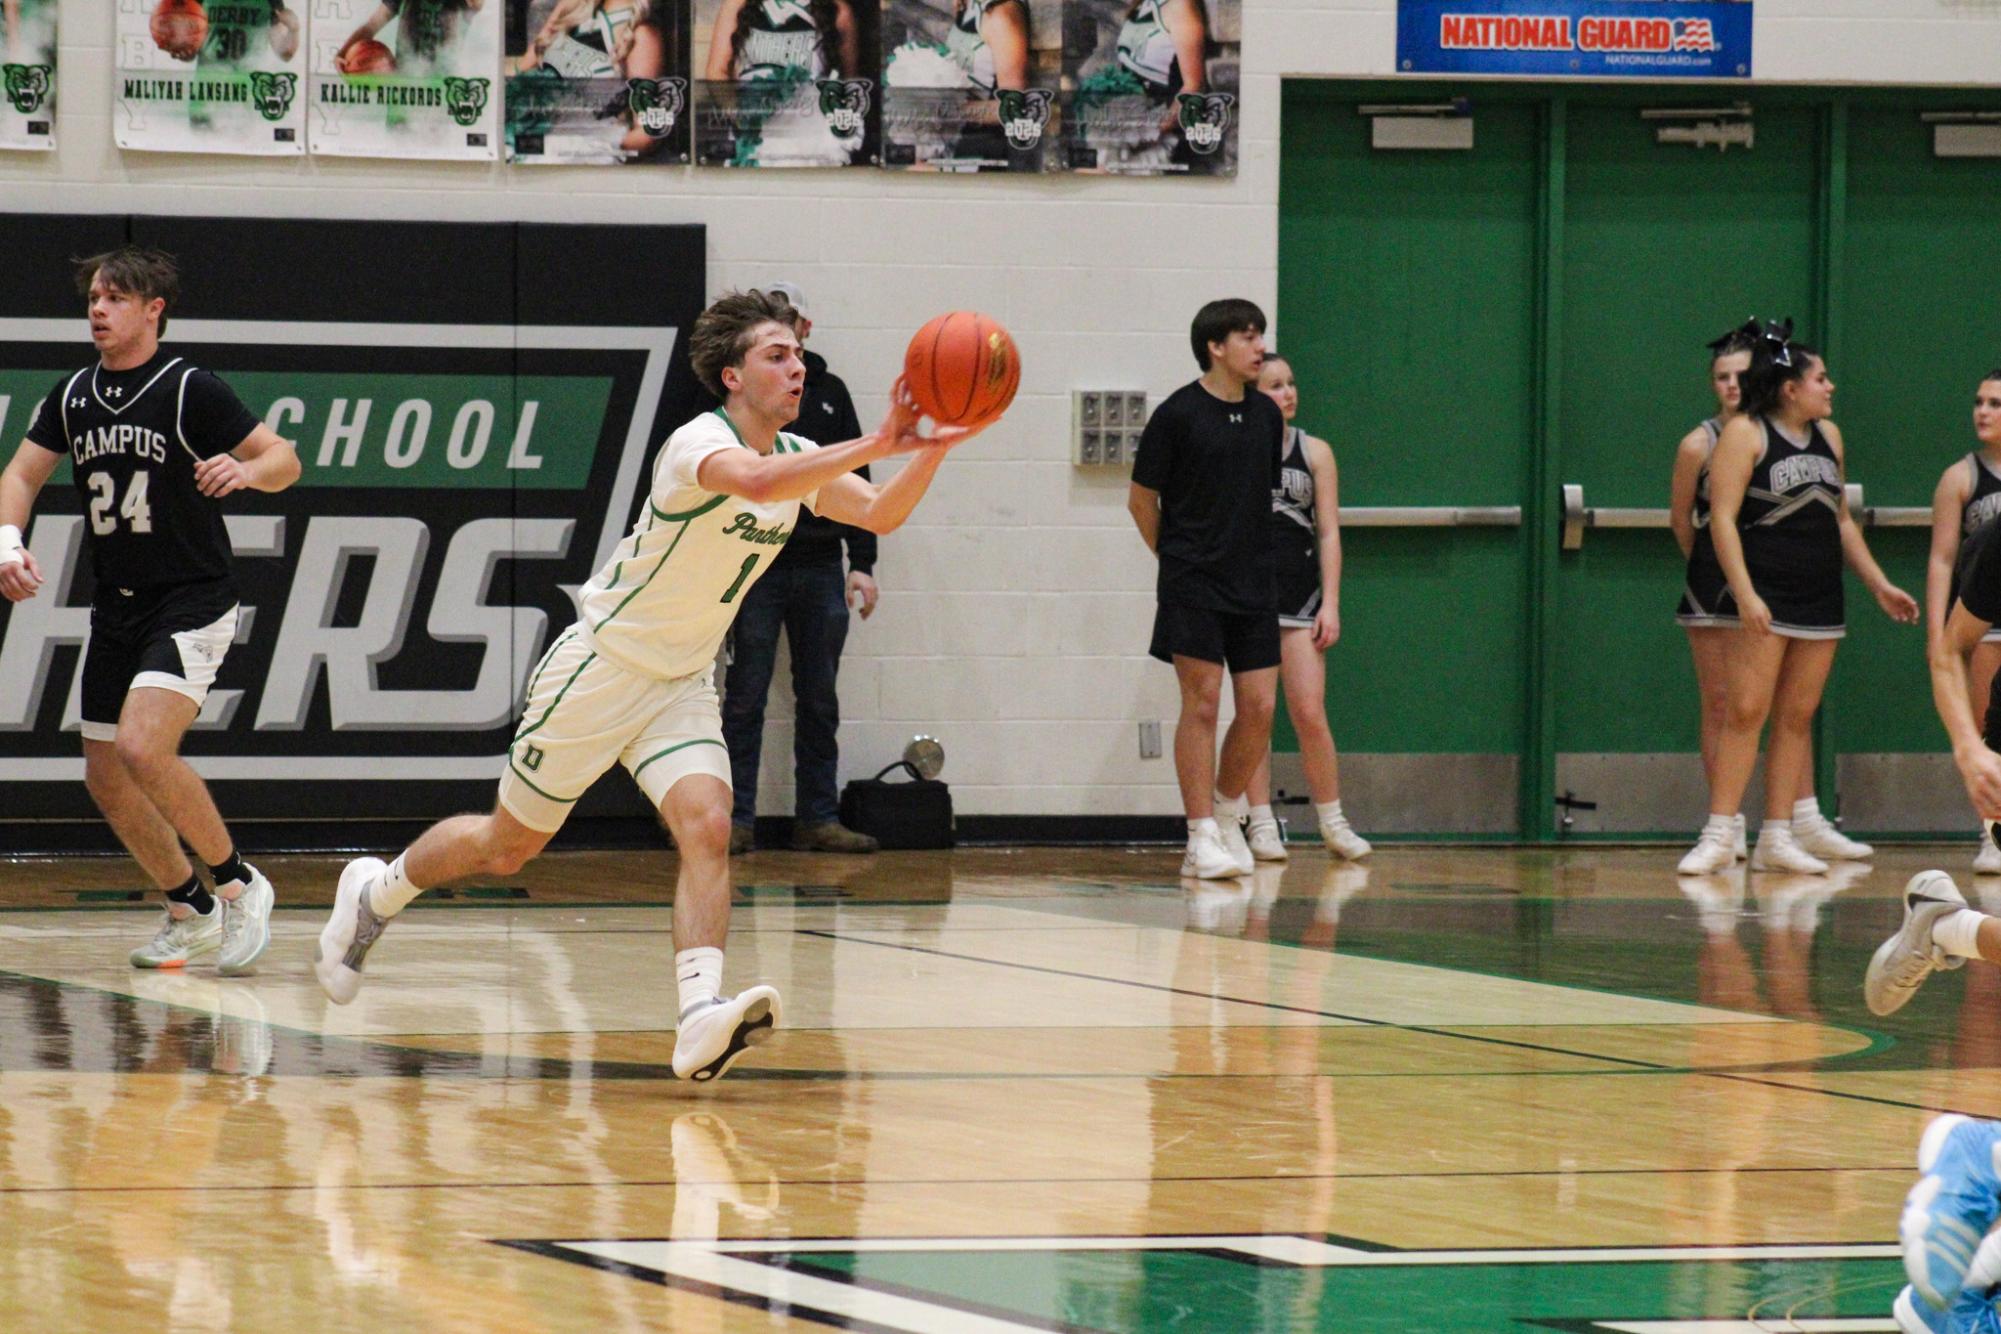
(173, 637)
(1241, 641)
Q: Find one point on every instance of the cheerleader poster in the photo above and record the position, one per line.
(787, 83)
(598, 81)
(1150, 86)
(971, 85)
(28, 63)
(219, 77)
(406, 78)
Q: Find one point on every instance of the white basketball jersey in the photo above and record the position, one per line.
(663, 604)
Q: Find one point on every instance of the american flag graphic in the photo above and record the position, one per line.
(1693, 35)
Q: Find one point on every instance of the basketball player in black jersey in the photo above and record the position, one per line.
(154, 443)
(1779, 519)
(1967, 499)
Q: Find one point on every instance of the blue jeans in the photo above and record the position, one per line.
(809, 603)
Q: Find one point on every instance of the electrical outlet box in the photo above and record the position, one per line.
(1105, 426)
(1149, 740)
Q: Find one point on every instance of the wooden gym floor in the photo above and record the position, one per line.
(1031, 1089)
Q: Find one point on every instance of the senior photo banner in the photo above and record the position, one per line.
(226, 77)
(1697, 39)
(1150, 86)
(28, 64)
(602, 81)
(406, 78)
(972, 85)
(787, 83)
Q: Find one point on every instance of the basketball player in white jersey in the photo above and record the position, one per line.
(1967, 499)
(630, 682)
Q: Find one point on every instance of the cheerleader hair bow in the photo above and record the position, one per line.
(1778, 336)
(1743, 336)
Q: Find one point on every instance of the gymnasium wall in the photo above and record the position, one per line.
(1016, 602)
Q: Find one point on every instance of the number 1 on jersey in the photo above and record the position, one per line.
(749, 564)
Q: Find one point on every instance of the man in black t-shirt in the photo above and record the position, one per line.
(1201, 495)
(153, 443)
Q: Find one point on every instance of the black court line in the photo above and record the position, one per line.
(551, 1251)
(1632, 1063)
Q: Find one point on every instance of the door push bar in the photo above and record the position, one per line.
(1431, 516)
(1577, 516)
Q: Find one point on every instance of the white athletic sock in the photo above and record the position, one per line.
(1330, 812)
(1771, 827)
(1723, 826)
(1806, 810)
(1231, 808)
(1957, 933)
(393, 892)
(701, 973)
(1262, 814)
(1205, 825)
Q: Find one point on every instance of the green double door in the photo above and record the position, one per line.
(1485, 327)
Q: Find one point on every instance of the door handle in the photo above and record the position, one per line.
(1578, 517)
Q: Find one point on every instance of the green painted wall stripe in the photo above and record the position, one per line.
(699, 741)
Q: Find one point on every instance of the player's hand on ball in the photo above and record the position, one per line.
(218, 476)
(1898, 605)
(20, 578)
(899, 425)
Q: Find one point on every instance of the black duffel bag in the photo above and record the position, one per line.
(913, 814)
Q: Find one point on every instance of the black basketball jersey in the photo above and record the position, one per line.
(133, 438)
(1984, 501)
(1790, 519)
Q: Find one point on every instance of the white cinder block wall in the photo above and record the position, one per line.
(1016, 602)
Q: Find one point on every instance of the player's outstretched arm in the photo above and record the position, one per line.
(854, 500)
(26, 474)
(768, 477)
(265, 461)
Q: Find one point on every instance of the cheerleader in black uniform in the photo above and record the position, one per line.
(1967, 499)
(1306, 548)
(1701, 613)
(1779, 519)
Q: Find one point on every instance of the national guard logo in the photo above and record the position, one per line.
(844, 102)
(1204, 119)
(28, 86)
(466, 98)
(272, 93)
(1023, 114)
(656, 104)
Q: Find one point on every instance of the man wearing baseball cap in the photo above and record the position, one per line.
(806, 595)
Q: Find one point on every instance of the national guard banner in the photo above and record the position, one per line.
(28, 64)
(1648, 39)
(222, 77)
(406, 78)
(475, 406)
(972, 85)
(598, 81)
(1150, 86)
(787, 83)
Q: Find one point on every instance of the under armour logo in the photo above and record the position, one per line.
(827, 408)
(1237, 419)
(78, 402)
(115, 391)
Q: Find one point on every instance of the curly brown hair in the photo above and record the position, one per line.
(140, 270)
(722, 335)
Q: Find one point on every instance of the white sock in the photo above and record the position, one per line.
(393, 892)
(1262, 814)
(701, 973)
(1806, 810)
(1330, 813)
(1957, 932)
(1772, 827)
(1205, 825)
(1231, 808)
(1722, 826)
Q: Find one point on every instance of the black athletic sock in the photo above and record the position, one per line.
(194, 896)
(231, 868)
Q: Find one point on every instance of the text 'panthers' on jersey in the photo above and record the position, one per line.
(133, 438)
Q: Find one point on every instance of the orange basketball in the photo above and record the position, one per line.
(962, 368)
(179, 28)
(368, 56)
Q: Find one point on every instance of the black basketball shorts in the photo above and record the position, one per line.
(172, 639)
(1241, 641)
